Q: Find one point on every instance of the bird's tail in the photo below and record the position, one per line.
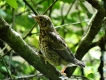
(79, 63)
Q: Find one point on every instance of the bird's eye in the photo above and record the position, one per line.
(41, 19)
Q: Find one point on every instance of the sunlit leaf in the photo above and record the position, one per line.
(12, 3)
(91, 76)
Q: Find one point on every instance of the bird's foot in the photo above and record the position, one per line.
(62, 71)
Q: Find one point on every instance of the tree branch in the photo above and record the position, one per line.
(35, 12)
(93, 29)
(15, 41)
(50, 6)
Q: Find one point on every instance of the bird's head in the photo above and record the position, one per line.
(44, 22)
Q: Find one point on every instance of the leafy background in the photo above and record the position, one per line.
(70, 18)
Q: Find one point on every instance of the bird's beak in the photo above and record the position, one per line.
(33, 16)
(36, 18)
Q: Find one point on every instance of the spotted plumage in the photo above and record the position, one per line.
(52, 45)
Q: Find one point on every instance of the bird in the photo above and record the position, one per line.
(52, 45)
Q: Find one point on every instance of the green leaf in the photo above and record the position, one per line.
(91, 76)
(12, 3)
(3, 69)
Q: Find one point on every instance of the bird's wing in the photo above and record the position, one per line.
(57, 44)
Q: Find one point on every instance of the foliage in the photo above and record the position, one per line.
(70, 22)
(12, 3)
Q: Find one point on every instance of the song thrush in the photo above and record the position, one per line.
(52, 45)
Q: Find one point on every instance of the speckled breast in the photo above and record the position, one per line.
(43, 42)
(51, 56)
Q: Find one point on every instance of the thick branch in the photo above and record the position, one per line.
(94, 3)
(15, 41)
(92, 31)
(94, 28)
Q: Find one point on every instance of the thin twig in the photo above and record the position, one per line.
(100, 68)
(30, 7)
(7, 69)
(41, 1)
(64, 17)
(50, 6)
(28, 77)
(29, 31)
(72, 23)
(6, 53)
(79, 17)
(33, 3)
(2, 50)
(69, 8)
